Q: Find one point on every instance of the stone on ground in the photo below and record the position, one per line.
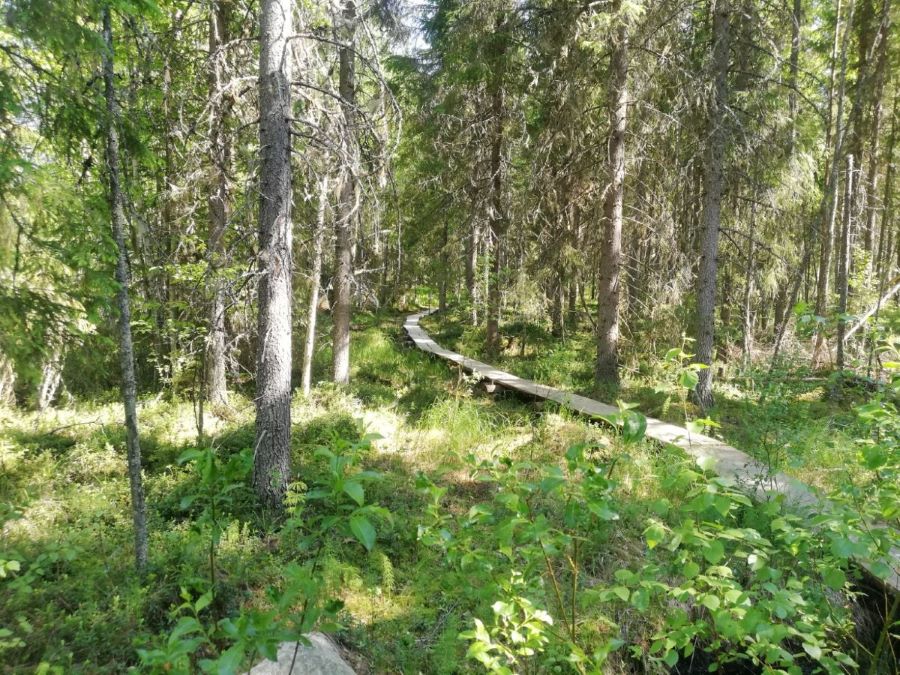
(321, 657)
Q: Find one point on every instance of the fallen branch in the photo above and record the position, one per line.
(865, 317)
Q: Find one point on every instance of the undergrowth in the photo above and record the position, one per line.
(430, 528)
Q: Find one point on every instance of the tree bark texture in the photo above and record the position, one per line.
(219, 203)
(608, 291)
(498, 218)
(126, 348)
(712, 202)
(831, 195)
(843, 279)
(271, 464)
(51, 379)
(347, 211)
(315, 283)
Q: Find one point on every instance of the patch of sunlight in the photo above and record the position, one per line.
(813, 395)
(386, 424)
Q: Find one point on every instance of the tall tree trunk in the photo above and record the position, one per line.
(497, 219)
(886, 230)
(884, 33)
(7, 382)
(712, 203)
(343, 224)
(557, 285)
(830, 201)
(608, 291)
(51, 378)
(829, 117)
(471, 273)
(747, 342)
(272, 458)
(843, 279)
(444, 273)
(168, 240)
(219, 202)
(781, 308)
(796, 19)
(126, 348)
(572, 302)
(791, 301)
(315, 283)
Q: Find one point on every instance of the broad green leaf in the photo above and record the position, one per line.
(355, 491)
(812, 650)
(688, 379)
(634, 426)
(203, 602)
(714, 552)
(363, 530)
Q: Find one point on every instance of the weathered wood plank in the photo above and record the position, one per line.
(711, 453)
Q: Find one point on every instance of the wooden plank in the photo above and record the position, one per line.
(711, 453)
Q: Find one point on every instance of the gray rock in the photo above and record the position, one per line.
(322, 657)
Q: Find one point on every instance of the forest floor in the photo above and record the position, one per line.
(441, 451)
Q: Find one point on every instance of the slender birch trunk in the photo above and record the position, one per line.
(315, 285)
(871, 184)
(51, 379)
(126, 348)
(747, 342)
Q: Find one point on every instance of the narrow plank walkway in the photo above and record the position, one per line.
(751, 475)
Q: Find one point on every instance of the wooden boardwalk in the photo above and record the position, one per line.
(749, 474)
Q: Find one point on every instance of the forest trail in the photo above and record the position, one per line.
(710, 453)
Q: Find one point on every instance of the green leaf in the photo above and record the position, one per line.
(834, 578)
(189, 455)
(187, 625)
(231, 660)
(812, 650)
(640, 599)
(551, 483)
(714, 552)
(875, 457)
(711, 602)
(688, 379)
(691, 569)
(363, 530)
(622, 593)
(203, 602)
(654, 534)
(355, 491)
(602, 511)
(634, 426)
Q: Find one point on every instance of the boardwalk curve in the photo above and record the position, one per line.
(726, 461)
